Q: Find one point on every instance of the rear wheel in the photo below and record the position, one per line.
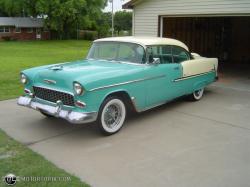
(197, 95)
(112, 115)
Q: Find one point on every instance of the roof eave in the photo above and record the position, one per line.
(129, 4)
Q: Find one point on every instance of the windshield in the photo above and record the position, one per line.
(117, 51)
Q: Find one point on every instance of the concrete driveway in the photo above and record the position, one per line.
(182, 143)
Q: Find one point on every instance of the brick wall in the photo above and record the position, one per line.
(25, 35)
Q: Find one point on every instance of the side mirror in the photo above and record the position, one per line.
(156, 61)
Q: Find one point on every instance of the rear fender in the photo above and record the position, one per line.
(199, 85)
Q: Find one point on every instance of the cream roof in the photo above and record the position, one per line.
(145, 41)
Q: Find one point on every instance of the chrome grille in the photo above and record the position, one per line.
(53, 96)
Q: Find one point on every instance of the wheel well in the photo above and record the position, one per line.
(125, 97)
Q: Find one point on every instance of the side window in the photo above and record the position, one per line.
(4, 29)
(7, 29)
(162, 52)
(179, 54)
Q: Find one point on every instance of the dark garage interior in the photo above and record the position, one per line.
(226, 38)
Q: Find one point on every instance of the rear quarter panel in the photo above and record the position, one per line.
(198, 73)
(199, 65)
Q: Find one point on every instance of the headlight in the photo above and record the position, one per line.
(78, 88)
(23, 78)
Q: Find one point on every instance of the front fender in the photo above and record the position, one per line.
(95, 98)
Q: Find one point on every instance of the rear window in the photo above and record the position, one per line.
(179, 54)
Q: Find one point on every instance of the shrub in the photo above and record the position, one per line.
(88, 35)
(6, 38)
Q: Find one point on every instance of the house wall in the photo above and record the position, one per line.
(25, 35)
(146, 13)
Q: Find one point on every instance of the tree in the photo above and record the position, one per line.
(62, 17)
(103, 24)
(11, 8)
(123, 21)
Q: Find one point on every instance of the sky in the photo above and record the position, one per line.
(117, 5)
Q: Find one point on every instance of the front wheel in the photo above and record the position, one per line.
(197, 95)
(112, 115)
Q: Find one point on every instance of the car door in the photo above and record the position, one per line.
(160, 84)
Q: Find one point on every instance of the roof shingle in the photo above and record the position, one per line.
(22, 22)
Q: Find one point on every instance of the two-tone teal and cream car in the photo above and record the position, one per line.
(119, 74)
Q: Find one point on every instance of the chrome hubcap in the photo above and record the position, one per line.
(197, 93)
(112, 115)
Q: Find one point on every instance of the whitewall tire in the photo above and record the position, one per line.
(197, 95)
(112, 115)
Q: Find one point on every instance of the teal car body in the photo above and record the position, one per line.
(145, 85)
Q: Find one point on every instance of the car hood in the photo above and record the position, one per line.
(90, 73)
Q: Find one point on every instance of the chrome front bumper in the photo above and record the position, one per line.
(57, 111)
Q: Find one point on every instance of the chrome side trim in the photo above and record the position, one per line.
(192, 76)
(128, 82)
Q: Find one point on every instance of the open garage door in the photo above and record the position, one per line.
(226, 38)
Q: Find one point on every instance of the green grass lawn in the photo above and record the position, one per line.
(21, 161)
(16, 56)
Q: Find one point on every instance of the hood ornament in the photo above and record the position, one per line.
(49, 81)
(56, 68)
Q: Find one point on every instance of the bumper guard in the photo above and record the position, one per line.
(57, 111)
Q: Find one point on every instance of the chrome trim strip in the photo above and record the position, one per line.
(192, 76)
(128, 82)
(54, 89)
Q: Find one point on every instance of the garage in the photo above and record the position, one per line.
(226, 38)
(212, 28)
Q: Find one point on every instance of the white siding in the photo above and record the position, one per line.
(146, 13)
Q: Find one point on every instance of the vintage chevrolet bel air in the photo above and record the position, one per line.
(118, 75)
